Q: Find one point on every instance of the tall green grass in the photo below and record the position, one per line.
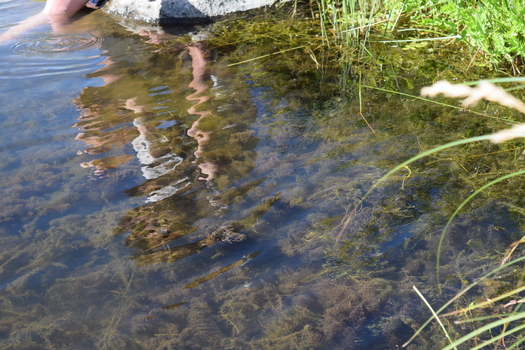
(494, 29)
(350, 21)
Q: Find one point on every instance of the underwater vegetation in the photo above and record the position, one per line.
(484, 330)
(233, 238)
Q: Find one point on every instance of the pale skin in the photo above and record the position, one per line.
(56, 12)
(65, 7)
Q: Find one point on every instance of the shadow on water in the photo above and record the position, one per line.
(181, 202)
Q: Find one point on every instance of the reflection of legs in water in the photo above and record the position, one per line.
(199, 74)
(153, 167)
(142, 146)
(156, 167)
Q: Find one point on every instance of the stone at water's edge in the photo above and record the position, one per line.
(180, 11)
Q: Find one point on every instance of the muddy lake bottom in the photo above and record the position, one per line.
(156, 196)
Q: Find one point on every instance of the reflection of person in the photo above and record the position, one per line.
(56, 12)
(154, 167)
(153, 150)
(198, 62)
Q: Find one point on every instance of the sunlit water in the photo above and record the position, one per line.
(163, 200)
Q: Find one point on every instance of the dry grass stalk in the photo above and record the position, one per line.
(483, 91)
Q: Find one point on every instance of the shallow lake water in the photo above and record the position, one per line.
(155, 196)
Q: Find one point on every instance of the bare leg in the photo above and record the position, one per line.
(24, 26)
(56, 12)
(64, 7)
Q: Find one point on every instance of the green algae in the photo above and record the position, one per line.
(379, 219)
(293, 155)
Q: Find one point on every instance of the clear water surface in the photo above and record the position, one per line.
(153, 197)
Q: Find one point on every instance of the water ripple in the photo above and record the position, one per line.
(52, 44)
(49, 54)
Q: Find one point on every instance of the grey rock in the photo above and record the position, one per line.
(180, 11)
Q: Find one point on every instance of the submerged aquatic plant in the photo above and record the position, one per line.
(208, 297)
(503, 326)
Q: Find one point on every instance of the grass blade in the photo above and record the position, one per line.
(485, 328)
(349, 216)
(434, 314)
(449, 222)
(472, 285)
